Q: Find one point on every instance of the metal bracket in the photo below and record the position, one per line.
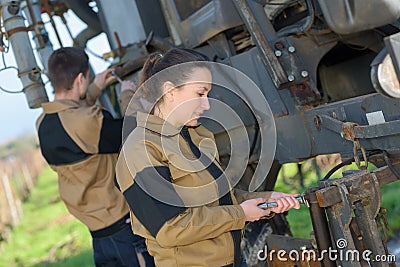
(300, 84)
(351, 131)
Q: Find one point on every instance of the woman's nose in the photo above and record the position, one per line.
(205, 104)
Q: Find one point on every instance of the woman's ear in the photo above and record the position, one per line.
(168, 90)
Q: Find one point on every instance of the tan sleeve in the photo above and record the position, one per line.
(93, 93)
(242, 195)
(84, 126)
(124, 99)
(200, 223)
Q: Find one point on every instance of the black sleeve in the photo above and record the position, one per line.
(151, 212)
(110, 134)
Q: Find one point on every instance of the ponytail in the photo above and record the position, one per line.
(158, 62)
(148, 67)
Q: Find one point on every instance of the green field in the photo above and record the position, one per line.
(49, 236)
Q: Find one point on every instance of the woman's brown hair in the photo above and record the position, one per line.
(164, 64)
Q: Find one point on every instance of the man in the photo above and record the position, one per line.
(80, 141)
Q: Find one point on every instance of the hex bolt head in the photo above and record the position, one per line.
(291, 78)
(278, 53)
(304, 74)
(291, 49)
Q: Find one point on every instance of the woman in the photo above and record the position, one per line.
(179, 197)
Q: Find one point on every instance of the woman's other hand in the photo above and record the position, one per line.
(285, 201)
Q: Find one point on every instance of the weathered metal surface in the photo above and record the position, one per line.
(328, 196)
(369, 231)
(340, 216)
(249, 11)
(320, 227)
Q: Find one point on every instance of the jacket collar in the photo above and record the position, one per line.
(59, 105)
(156, 124)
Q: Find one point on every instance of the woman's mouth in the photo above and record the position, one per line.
(197, 115)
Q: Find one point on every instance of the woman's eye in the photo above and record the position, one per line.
(201, 94)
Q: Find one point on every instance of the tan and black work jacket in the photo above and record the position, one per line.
(174, 200)
(81, 141)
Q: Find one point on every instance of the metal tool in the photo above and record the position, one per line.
(116, 76)
(268, 205)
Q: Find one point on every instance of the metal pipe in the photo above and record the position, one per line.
(28, 71)
(43, 45)
(320, 226)
(33, 21)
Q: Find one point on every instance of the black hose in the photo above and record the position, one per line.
(337, 167)
(346, 162)
(304, 27)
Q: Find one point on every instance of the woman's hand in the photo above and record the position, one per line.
(252, 211)
(128, 85)
(285, 202)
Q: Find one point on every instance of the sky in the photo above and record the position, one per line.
(16, 118)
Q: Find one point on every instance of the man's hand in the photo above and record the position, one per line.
(102, 79)
(128, 85)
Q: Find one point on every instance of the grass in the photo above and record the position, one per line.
(390, 199)
(47, 234)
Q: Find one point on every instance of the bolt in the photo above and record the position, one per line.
(291, 78)
(279, 45)
(13, 8)
(291, 49)
(304, 74)
(278, 53)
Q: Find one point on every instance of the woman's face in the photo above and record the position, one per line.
(190, 100)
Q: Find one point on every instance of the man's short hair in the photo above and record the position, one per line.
(64, 65)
